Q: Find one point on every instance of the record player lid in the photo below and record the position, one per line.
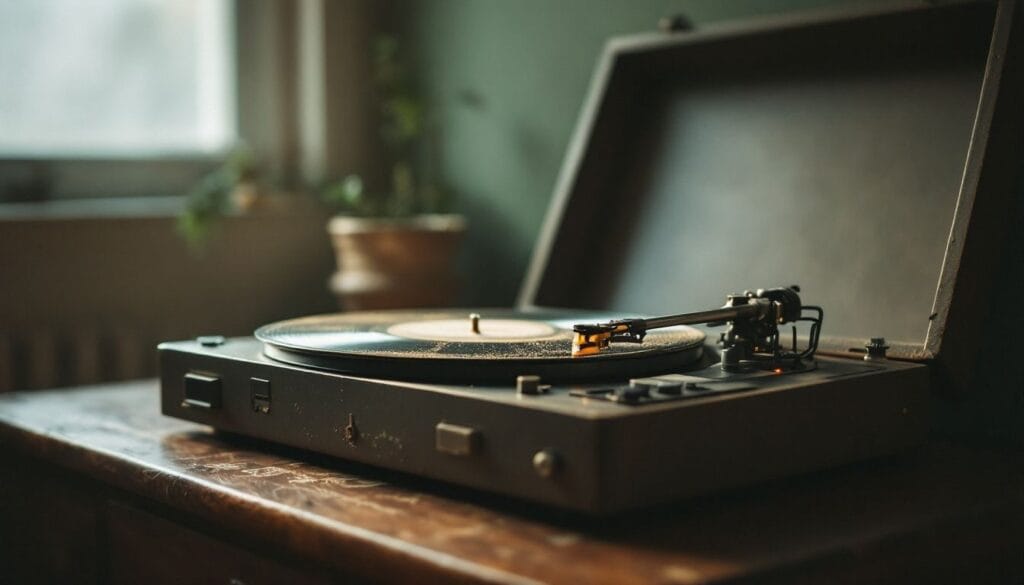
(848, 153)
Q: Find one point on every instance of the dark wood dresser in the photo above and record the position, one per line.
(97, 486)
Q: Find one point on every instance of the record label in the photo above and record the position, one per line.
(488, 330)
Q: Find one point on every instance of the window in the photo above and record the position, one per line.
(111, 98)
(113, 81)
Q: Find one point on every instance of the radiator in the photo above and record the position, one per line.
(45, 358)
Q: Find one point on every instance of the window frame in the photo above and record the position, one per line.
(261, 33)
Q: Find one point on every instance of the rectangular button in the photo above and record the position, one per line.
(456, 440)
(201, 391)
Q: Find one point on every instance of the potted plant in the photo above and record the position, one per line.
(231, 187)
(395, 248)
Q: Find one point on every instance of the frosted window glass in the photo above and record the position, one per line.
(116, 77)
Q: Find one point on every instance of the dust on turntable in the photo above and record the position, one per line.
(471, 346)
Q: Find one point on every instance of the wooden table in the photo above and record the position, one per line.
(97, 486)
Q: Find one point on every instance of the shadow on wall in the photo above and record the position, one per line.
(498, 249)
(492, 264)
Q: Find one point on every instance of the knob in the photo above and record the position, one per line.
(547, 463)
(875, 349)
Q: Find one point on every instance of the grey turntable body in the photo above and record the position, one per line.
(866, 155)
(593, 456)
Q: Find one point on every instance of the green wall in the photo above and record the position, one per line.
(507, 79)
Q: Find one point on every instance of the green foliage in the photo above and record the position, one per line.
(210, 199)
(403, 129)
(348, 194)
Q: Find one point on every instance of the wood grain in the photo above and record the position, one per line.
(900, 514)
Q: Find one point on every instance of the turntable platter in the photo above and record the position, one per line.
(452, 346)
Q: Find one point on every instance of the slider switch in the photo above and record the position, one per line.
(202, 391)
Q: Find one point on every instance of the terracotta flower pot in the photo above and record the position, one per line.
(395, 263)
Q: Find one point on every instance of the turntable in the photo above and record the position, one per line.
(704, 163)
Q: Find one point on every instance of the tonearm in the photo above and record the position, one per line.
(752, 337)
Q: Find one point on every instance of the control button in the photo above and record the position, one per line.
(721, 386)
(731, 358)
(659, 385)
(259, 393)
(456, 439)
(670, 389)
(201, 391)
(631, 395)
(530, 385)
(211, 340)
(547, 463)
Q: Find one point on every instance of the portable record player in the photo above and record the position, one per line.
(864, 155)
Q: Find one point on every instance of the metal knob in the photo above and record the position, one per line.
(547, 463)
(875, 349)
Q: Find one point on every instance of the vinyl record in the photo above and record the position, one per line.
(443, 346)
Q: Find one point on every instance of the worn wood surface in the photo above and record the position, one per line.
(941, 514)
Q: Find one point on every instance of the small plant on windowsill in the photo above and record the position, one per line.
(230, 188)
(394, 248)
